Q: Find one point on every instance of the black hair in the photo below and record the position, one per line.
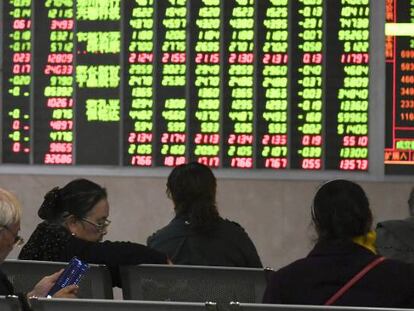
(192, 187)
(76, 198)
(341, 211)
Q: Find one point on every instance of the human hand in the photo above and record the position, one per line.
(44, 285)
(169, 262)
(70, 291)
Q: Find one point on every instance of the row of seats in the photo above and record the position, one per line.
(41, 304)
(152, 282)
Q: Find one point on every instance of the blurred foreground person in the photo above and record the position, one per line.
(198, 235)
(75, 222)
(344, 251)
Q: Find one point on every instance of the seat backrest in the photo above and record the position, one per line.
(275, 307)
(9, 303)
(24, 274)
(193, 283)
(42, 304)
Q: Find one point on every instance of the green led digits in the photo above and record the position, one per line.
(274, 152)
(209, 104)
(210, 127)
(176, 127)
(240, 84)
(140, 149)
(61, 136)
(206, 150)
(174, 115)
(277, 128)
(405, 144)
(62, 114)
(276, 105)
(173, 81)
(206, 115)
(141, 126)
(275, 117)
(355, 153)
(242, 104)
(58, 91)
(141, 114)
(142, 92)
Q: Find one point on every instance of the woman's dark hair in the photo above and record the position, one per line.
(341, 211)
(192, 187)
(76, 198)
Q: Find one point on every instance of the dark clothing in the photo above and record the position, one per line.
(395, 239)
(6, 288)
(227, 244)
(52, 242)
(329, 266)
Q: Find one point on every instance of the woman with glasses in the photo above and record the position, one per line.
(10, 215)
(75, 222)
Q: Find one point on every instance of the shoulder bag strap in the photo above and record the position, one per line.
(355, 279)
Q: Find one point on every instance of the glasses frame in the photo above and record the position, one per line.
(18, 240)
(99, 228)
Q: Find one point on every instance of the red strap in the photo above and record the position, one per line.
(355, 279)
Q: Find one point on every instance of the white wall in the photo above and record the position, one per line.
(275, 213)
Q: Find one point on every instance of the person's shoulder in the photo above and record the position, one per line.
(175, 227)
(232, 231)
(396, 223)
(231, 227)
(230, 224)
(291, 269)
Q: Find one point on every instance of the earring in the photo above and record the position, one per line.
(73, 234)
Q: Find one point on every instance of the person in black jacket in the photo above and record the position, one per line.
(10, 215)
(342, 219)
(75, 222)
(198, 235)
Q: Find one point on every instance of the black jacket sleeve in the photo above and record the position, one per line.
(113, 255)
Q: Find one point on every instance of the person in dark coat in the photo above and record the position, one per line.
(345, 245)
(395, 238)
(75, 222)
(198, 235)
(10, 216)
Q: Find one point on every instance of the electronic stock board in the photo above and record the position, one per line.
(266, 85)
(399, 52)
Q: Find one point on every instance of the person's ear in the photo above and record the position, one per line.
(72, 224)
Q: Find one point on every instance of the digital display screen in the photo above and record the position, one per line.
(244, 84)
(399, 54)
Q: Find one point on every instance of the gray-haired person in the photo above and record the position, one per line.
(10, 216)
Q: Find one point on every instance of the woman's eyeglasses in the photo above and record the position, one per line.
(99, 227)
(18, 240)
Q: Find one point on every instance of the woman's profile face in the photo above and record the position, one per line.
(94, 225)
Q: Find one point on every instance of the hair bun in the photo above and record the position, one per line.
(48, 210)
